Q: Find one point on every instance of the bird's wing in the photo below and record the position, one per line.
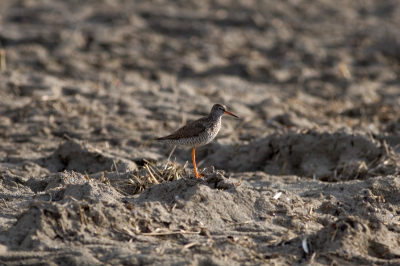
(190, 130)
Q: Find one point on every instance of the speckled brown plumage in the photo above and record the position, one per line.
(198, 133)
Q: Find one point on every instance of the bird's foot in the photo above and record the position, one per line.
(199, 175)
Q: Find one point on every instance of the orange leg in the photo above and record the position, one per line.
(194, 164)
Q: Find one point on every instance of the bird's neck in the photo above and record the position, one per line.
(215, 117)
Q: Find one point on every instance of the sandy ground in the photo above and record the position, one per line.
(309, 174)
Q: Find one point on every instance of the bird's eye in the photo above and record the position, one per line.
(220, 108)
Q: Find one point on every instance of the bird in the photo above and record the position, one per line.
(199, 132)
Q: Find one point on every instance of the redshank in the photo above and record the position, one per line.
(198, 133)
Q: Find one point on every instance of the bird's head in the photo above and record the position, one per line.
(220, 110)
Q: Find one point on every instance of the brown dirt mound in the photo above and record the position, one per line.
(325, 156)
(243, 222)
(84, 158)
(362, 241)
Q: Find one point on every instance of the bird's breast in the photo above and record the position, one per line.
(213, 129)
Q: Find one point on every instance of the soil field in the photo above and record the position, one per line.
(309, 174)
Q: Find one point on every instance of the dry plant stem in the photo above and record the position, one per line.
(373, 162)
(115, 165)
(151, 174)
(82, 216)
(176, 175)
(5, 203)
(129, 232)
(3, 65)
(155, 167)
(170, 174)
(169, 157)
(138, 180)
(67, 137)
(190, 245)
(334, 235)
(184, 167)
(87, 176)
(170, 233)
(8, 169)
(154, 170)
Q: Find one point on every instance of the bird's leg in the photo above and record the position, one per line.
(194, 164)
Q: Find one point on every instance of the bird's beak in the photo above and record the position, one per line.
(229, 113)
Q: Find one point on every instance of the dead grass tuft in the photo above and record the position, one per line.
(148, 175)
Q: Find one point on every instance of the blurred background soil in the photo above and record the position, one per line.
(309, 174)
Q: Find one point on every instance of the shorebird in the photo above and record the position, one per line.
(198, 133)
